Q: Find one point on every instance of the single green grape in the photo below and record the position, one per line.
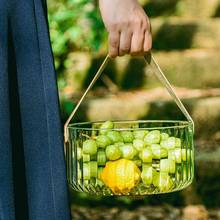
(86, 157)
(79, 153)
(128, 151)
(140, 134)
(171, 154)
(138, 144)
(101, 157)
(178, 142)
(127, 136)
(86, 171)
(93, 166)
(146, 155)
(163, 181)
(106, 126)
(163, 152)
(167, 165)
(156, 179)
(175, 154)
(115, 136)
(169, 143)
(79, 174)
(147, 175)
(89, 147)
(103, 141)
(113, 152)
(119, 145)
(164, 136)
(153, 137)
(158, 151)
(164, 165)
(145, 166)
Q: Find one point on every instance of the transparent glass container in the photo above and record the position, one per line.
(166, 166)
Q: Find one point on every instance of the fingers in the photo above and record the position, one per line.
(137, 43)
(147, 41)
(125, 42)
(114, 40)
(134, 39)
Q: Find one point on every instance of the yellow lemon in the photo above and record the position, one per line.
(121, 175)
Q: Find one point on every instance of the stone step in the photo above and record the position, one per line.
(197, 68)
(184, 8)
(180, 67)
(153, 104)
(191, 68)
(183, 33)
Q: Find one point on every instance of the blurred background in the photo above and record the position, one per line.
(186, 45)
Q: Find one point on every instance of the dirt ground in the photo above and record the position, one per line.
(165, 212)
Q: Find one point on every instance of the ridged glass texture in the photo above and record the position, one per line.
(179, 179)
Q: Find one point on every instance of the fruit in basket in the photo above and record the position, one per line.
(169, 143)
(79, 153)
(175, 154)
(86, 157)
(167, 165)
(113, 152)
(99, 182)
(106, 126)
(163, 181)
(127, 136)
(90, 169)
(147, 175)
(138, 144)
(126, 160)
(89, 147)
(164, 136)
(158, 152)
(115, 136)
(178, 142)
(103, 141)
(101, 157)
(86, 171)
(93, 168)
(146, 155)
(121, 175)
(153, 137)
(128, 151)
(140, 134)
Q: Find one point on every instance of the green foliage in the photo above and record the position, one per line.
(74, 25)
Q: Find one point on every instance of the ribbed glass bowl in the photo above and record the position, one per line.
(152, 157)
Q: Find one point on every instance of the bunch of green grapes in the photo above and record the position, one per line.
(156, 154)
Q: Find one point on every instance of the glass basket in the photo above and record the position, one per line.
(130, 157)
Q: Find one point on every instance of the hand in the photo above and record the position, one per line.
(128, 27)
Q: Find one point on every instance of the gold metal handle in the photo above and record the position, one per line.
(99, 72)
(149, 59)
